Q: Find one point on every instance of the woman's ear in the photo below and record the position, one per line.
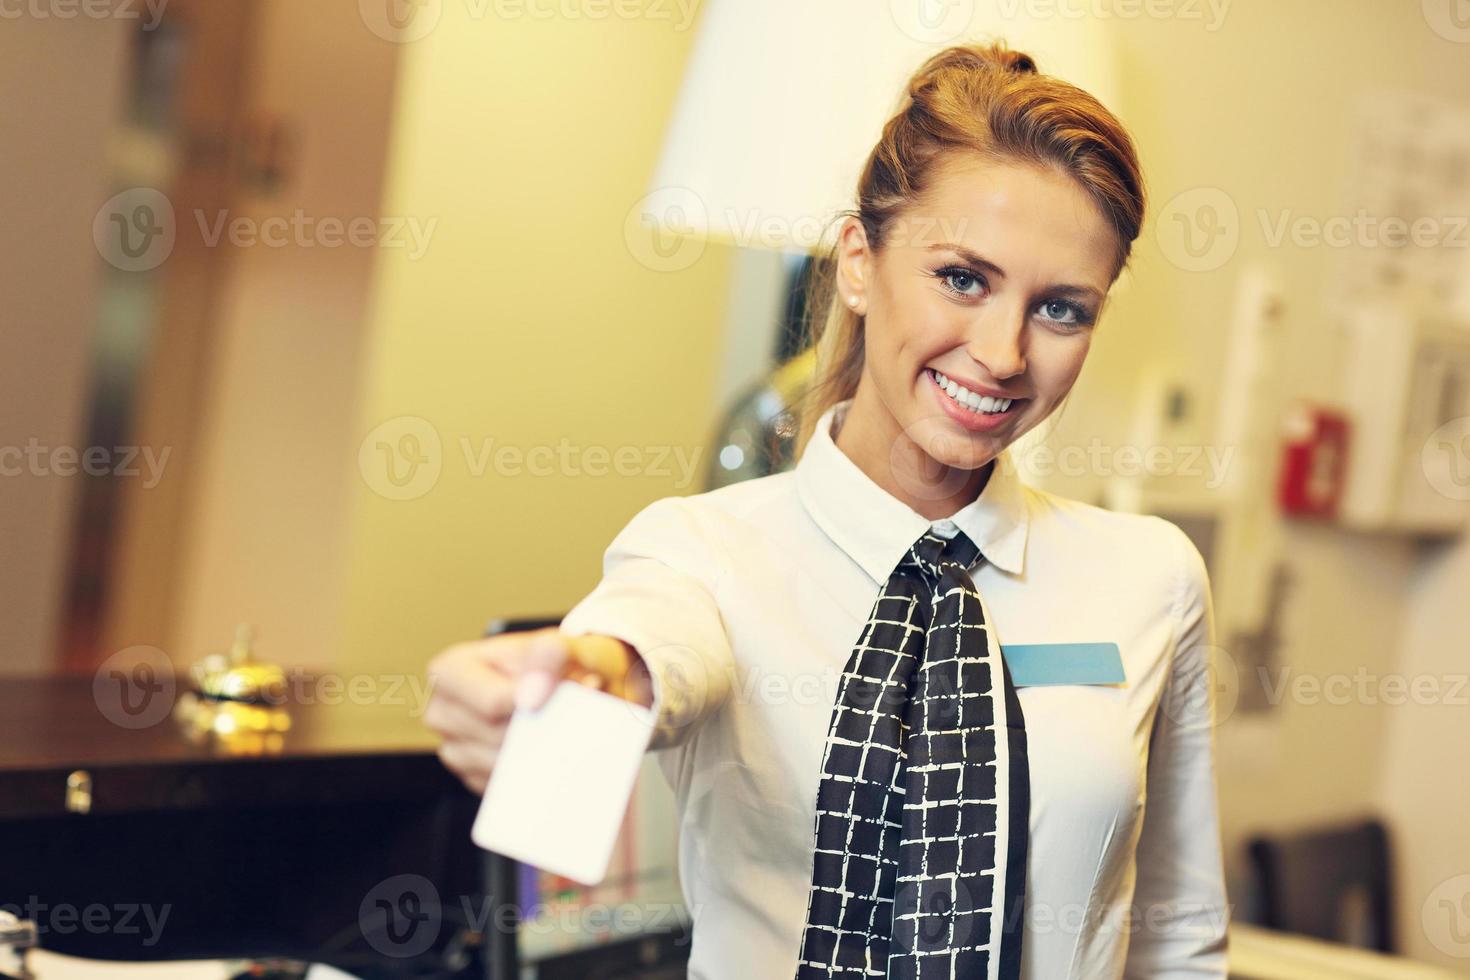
(854, 265)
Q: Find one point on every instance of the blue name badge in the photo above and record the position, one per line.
(1042, 664)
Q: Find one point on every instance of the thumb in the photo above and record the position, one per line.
(546, 661)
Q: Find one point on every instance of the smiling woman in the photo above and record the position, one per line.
(993, 216)
(926, 807)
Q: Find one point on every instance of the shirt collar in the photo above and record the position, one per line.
(875, 528)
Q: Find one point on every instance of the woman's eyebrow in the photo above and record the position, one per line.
(981, 262)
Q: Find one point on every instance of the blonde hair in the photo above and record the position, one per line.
(983, 98)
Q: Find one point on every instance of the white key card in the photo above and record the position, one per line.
(560, 787)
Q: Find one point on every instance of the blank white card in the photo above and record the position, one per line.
(561, 784)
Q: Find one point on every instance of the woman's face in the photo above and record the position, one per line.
(988, 287)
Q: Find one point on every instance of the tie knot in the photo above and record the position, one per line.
(932, 552)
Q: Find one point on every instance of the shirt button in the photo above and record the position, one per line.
(945, 528)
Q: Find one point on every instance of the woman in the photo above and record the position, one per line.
(865, 788)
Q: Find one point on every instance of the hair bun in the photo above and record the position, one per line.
(1015, 61)
(995, 56)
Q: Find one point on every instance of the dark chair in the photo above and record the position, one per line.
(1333, 883)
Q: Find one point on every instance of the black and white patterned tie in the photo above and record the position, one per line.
(924, 805)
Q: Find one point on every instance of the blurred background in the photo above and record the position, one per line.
(363, 323)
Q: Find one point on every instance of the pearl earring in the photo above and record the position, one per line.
(852, 301)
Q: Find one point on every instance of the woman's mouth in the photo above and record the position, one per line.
(970, 409)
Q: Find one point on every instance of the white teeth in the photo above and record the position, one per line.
(971, 400)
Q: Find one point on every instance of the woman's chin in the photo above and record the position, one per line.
(952, 446)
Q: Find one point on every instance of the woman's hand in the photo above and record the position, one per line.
(474, 687)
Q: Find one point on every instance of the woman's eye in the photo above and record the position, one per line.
(1061, 311)
(960, 280)
(1055, 309)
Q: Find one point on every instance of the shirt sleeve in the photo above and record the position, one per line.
(1180, 912)
(660, 581)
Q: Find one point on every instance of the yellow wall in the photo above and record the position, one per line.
(528, 321)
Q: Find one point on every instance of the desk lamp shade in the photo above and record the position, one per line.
(783, 100)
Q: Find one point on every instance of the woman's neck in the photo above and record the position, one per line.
(870, 436)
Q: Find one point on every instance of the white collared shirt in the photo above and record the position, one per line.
(745, 602)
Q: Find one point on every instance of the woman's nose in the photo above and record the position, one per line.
(997, 344)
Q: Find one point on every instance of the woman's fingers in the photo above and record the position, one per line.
(465, 674)
(547, 661)
(475, 688)
(453, 721)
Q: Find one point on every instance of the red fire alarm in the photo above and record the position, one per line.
(1314, 461)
